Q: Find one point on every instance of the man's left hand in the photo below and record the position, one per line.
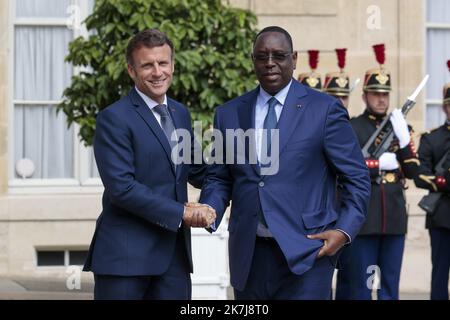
(210, 215)
(333, 240)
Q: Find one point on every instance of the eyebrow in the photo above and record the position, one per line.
(274, 51)
(152, 63)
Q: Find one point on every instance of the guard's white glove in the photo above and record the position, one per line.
(400, 128)
(388, 161)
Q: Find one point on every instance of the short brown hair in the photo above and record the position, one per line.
(148, 38)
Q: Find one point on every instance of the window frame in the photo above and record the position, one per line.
(81, 181)
(430, 26)
(66, 252)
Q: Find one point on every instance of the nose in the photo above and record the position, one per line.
(269, 62)
(157, 70)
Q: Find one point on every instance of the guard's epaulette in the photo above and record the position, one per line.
(429, 131)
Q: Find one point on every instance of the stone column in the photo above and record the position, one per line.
(4, 94)
(4, 98)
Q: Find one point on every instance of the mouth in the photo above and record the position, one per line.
(157, 83)
(271, 76)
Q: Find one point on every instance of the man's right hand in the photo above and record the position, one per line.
(198, 215)
(388, 161)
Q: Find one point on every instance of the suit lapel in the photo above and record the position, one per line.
(291, 114)
(178, 122)
(293, 109)
(246, 115)
(147, 115)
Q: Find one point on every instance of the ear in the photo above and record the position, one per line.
(131, 72)
(364, 98)
(446, 108)
(294, 59)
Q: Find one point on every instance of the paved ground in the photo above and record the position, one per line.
(414, 283)
(44, 289)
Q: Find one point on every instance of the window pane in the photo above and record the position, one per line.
(43, 137)
(93, 171)
(91, 4)
(438, 52)
(42, 8)
(50, 258)
(435, 116)
(77, 257)
(438, 11)
(40, 72)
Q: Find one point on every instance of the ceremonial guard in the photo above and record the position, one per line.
(312, 78)
(379, 246)
(434, 175)
(337, 84)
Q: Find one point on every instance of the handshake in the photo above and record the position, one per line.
(198, 215)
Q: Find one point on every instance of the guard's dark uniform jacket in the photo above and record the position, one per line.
(387, 212)
(432, 148)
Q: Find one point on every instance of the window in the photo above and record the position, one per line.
(50, 258)
(45, 151)
(60, 258)
(438, 52)
(77, 257)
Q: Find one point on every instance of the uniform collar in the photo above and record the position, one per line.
(374, 117)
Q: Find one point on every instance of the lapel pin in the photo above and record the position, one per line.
(299, 106)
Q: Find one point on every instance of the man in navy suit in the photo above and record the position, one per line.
(286, 225)
(141, 248)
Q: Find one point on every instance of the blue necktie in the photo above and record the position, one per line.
(166, 123)
(270, 123)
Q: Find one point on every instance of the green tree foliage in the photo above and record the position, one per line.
(212, 42)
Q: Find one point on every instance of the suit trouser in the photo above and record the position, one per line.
(370, 254)
(440, 258)
(343, 275)
(173, 284)
(271, 278)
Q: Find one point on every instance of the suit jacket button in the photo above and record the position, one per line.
(261, 184)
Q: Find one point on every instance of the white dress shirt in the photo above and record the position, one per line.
(152, 104)
(261, 108)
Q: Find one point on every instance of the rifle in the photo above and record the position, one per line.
(380, 141)
(429, 202)
(355, 83)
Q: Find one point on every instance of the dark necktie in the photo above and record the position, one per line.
(166, 123)
(270, 123)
